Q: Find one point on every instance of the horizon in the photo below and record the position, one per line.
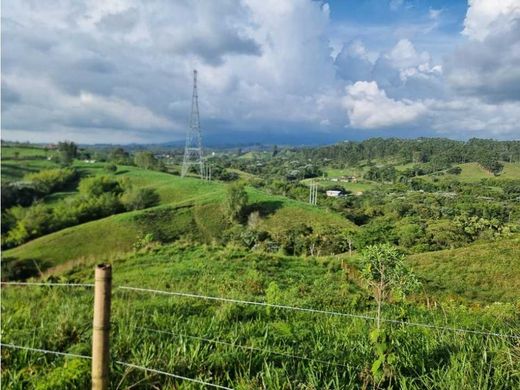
(298, 73)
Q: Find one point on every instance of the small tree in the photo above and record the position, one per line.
(110, 168)
(385, 271)
(68, 151)
(146, 160)
(236, 201)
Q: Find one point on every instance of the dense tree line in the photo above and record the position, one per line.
(438, 151)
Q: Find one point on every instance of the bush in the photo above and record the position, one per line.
(110, 168)
(235, 201)
(140, 198)
(50, 180)
(455, 171)
(98, 185)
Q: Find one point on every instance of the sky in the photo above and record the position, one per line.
(271, 71)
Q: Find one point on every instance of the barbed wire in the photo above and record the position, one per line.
(50, 284)
(319, 311)
(279, 306)
(245, 347)
(172, 375)
(46, 351)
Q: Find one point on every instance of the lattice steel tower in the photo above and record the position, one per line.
(193, 149)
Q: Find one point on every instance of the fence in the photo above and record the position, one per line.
(101, 328)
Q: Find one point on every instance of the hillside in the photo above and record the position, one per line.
(481, 272)
(244, 346)
(189, 207)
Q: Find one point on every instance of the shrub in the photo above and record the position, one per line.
(110, 168)
(50, 180)
(455, 171)
(98, 185)
(235, 201)
(140, 198)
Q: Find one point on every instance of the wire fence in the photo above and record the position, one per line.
(278, 306)
(153, 370)
(244, 347)
(226, 343)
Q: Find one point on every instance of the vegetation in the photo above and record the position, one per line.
(342, 347)
(426, 232)
(235, 201)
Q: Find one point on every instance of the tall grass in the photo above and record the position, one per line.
(60, 319)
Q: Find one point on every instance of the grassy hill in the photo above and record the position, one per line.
(189, 207)
(243, 346)
(482, 272)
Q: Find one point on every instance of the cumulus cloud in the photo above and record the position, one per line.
(369, 107)
(490, 17)
(488, 65)
(120, 71)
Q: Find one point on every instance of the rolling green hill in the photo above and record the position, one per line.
(189, 207)
(482, 272)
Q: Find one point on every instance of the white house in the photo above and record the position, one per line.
(333, 193)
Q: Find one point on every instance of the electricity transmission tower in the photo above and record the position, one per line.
(313, 193)
(193, 148)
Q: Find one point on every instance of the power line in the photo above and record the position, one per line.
(46, 351)
(245, 347)
(318, 311)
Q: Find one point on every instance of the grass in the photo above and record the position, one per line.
(473, 172)
(188, 207)
(424, 357)
(480, 272)
(16, 170)
(9, 152)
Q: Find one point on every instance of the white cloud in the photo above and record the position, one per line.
(122, 68)
(51, 108)
(472, 117)
(488, 66)
(486, 17)
(368, 107)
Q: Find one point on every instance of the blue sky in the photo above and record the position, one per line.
(295, 71)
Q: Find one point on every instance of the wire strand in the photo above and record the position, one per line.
(48, 284)
(246, 347)
(172, 375)
(45, 351)
(318, 311)
(117, 362)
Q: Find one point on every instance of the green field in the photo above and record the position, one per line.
(189, 206)
(243, 346)
(11, 152)
(473, 173)
(482, 272)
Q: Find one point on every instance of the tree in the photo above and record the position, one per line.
(385, 272)
(119, 156)
(140, 198)
(67, 152)
(146, 160)
(235, 201)
(99, 185)
(110, 168)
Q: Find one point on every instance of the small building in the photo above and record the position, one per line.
(334, 193)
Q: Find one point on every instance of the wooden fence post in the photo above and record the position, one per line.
(101, 327)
